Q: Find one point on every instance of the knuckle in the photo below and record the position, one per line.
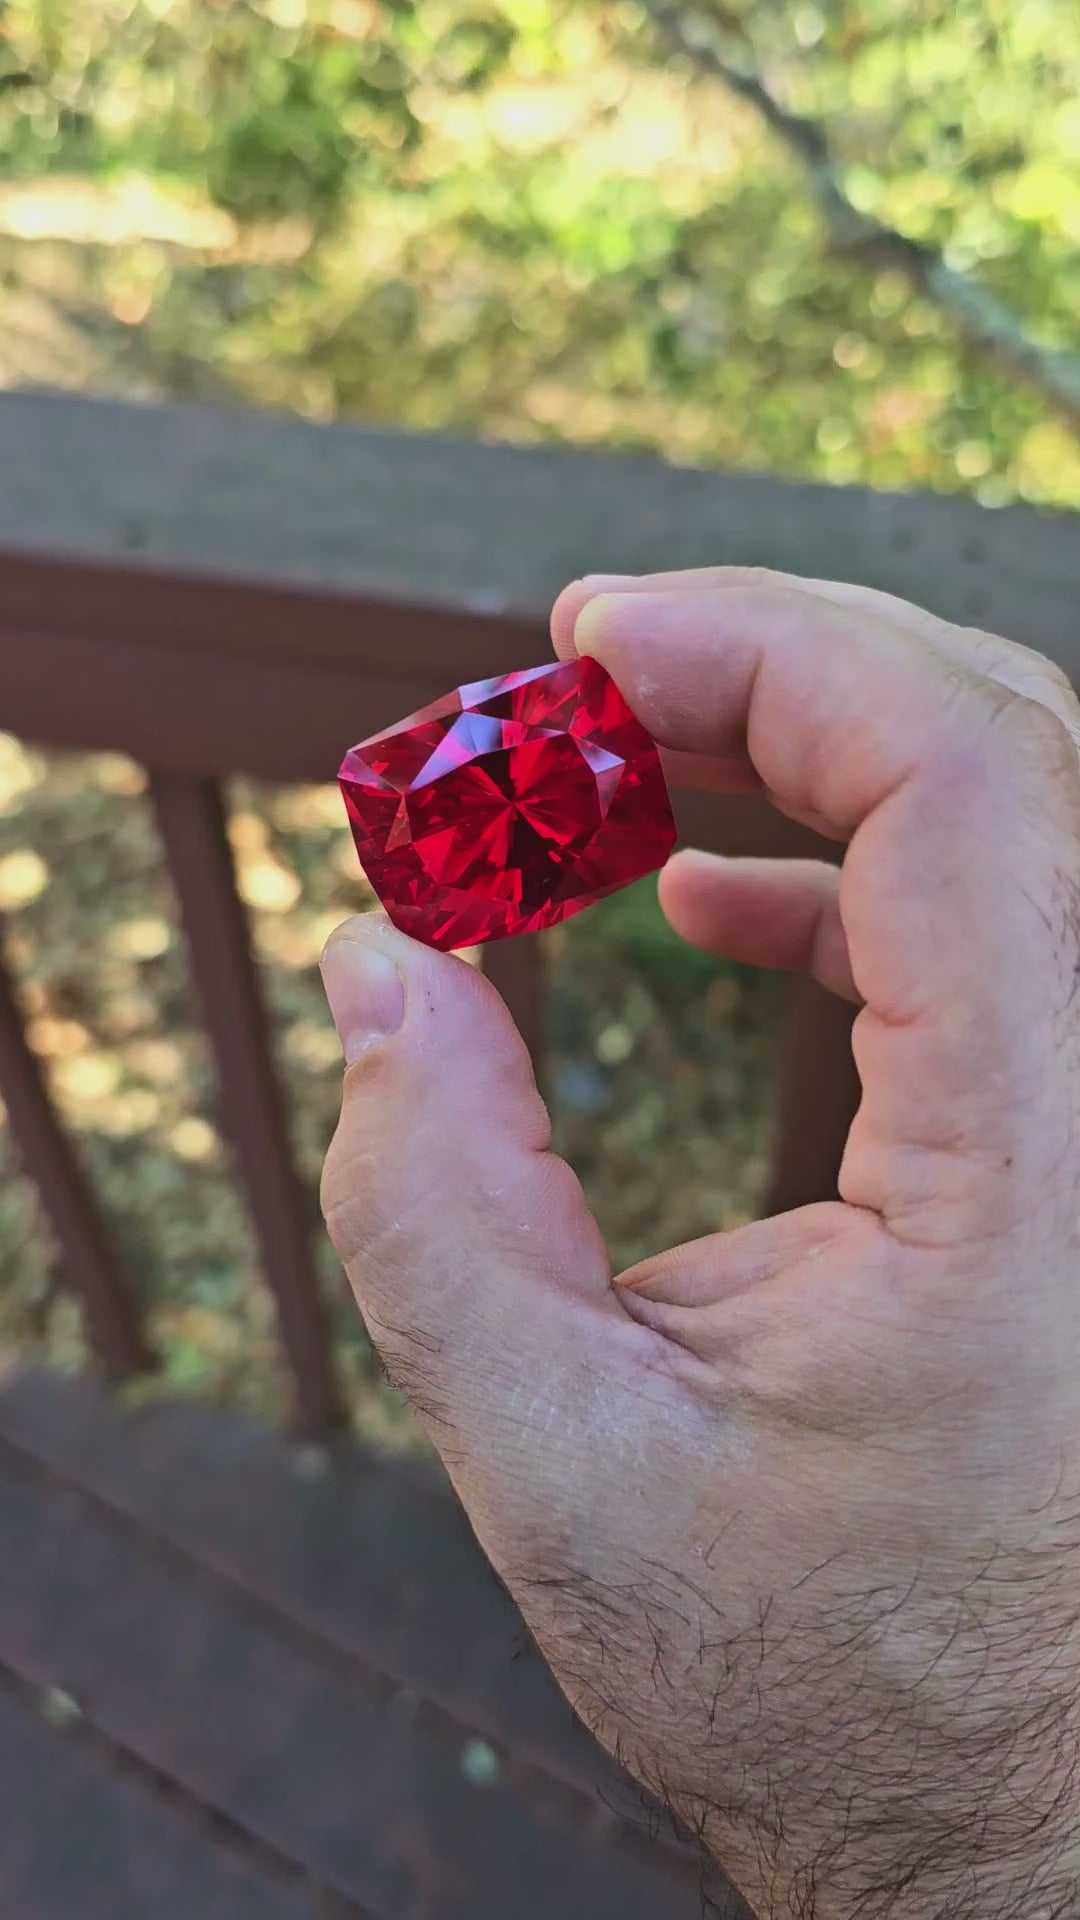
(1040, 735)
(340, 1216)
(1055, 676)
(1007, 744)
(337, 1171)
(355, 1193)
(385, 1199)
(370, 1235)
(1024, 669)
(384, 1227)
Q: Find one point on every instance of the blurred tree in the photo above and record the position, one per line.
(544, 218)
(983, 320)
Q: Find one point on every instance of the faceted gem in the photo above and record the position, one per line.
(508, 805)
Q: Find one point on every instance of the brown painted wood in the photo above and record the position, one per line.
(192, 824)
(373, 1557)
(212, 716)
(268, 619)
(516, 967)
(81, 1841)
(89, 1265)
(291, 1745)
(77, 1838)
(819, 1094)
(470, 538)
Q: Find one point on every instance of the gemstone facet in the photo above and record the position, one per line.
(508, 805)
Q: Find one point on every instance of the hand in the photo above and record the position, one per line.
(793, 1511)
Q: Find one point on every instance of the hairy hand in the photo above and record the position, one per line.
(793, 1511)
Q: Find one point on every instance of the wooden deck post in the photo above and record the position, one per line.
(819, 1094)
(90, 1269)
(192, 823)
(516, 967)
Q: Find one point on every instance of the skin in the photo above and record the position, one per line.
(793, 1511)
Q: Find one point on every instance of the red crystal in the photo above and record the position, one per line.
(508, 805)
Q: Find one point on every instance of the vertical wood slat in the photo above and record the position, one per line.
(90, 1268)
(517, 968)
(191, 820)
(819, 1094)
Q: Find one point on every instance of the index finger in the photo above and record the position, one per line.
(961, 802)
(1007, 661)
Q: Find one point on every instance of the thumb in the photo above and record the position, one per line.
(468, 1243)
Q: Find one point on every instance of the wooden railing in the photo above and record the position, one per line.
(217, 594)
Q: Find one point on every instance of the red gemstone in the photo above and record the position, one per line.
(508, 805)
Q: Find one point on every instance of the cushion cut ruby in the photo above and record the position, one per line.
(508, 805)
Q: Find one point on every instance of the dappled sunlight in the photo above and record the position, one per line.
(296, 942)
(57, 1039)
(127, 211)
(266, 883)
(23, 876)
(312, 1043)
(145, 938)
(115, 773)
(294, 809)
(21, 770)
(195, 1139)
(534, 221)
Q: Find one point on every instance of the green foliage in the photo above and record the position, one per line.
(523, 217)
(631, 926)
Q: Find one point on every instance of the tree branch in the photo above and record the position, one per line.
(990, 326)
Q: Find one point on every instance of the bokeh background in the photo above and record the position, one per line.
(839, 242)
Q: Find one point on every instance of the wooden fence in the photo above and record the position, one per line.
(226, 593)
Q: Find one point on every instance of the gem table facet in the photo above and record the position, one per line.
(508, 805)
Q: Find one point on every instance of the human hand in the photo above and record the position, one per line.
(793, 1511)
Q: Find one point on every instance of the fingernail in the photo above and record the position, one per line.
(594, 617)
(366, 994)
(607, 579)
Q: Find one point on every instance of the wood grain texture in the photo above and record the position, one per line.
(116, 1534)
(517, 968)
(472, 538)
(191, 820)
(819, 1096)
(372, 1557)
(90, 1265)
(78, 1838)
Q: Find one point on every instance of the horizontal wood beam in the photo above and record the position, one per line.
(210, 717)
(188, 711)
(294, 541)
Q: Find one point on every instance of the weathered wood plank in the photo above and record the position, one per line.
(473, 538)
(286, 1742)
(90, 1266)
(212, 717)
(372, 1559)
(819, 1095)
(373, 1556)
(79, 1840)
(208, 715)
(516, 967)
(191, 820)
